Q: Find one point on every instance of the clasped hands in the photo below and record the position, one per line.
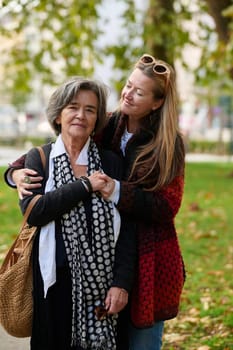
(100, 182)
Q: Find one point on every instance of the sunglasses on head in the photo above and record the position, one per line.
(159, 68)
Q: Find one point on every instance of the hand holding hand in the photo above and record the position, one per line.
(108, 189)
(96, 180)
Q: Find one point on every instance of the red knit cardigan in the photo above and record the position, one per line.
(160, 271)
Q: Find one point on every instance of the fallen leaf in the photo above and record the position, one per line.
(194, 207)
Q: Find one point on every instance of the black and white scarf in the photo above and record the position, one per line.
(91, 257)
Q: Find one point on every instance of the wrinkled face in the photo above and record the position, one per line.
(78, 119)
(137, 99)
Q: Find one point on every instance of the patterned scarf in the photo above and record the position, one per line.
(90, 257)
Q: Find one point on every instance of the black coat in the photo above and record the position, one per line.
(52, 205)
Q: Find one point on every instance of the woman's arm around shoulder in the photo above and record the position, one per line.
(55, 203)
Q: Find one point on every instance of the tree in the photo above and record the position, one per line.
(217, 58)
(159, 27)
(55, 39)
(60, 38)
(68, 32)
(215, 71)
(164, 35)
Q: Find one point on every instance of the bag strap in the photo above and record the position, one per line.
(34, 199)
(7, 261)
(42, 156)
(8, 258)
(29, 208)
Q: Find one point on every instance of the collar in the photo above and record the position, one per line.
(59, 148)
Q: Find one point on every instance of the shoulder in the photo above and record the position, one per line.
(107, 156)
(34, 153)
(108, 133)
(34, 158)
(113, 121)
(47, 148)
(113, 117)
(112, 163)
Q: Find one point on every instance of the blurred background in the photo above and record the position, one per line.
(43, 42)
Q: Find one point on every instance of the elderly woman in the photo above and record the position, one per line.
(82, 260)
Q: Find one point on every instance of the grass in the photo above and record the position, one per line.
(10, 215)
(205, 226)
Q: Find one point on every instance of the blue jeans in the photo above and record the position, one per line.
(146, 338)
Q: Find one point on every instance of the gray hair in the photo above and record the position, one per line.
(65, 93)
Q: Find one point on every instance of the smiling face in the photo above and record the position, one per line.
(137, 97)
(79, 117)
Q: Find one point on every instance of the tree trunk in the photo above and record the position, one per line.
(222, 23)
(158, 42)
(216, 8)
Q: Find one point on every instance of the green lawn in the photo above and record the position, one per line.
(205, 227)
(10, 215)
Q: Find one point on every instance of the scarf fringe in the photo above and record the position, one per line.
(96, 345)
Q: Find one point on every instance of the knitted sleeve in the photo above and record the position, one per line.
(17, 164)
(152, 206)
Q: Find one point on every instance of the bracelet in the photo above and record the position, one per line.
(86, 183)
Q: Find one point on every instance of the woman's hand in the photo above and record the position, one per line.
(106, 184)
(108, 189)
(116, 300)
(102, 183)
(26, 180)
(97, 182)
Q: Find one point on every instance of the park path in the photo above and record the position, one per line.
(8, 342)
(9, 154)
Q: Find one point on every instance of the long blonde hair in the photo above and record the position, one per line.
(163, 155)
